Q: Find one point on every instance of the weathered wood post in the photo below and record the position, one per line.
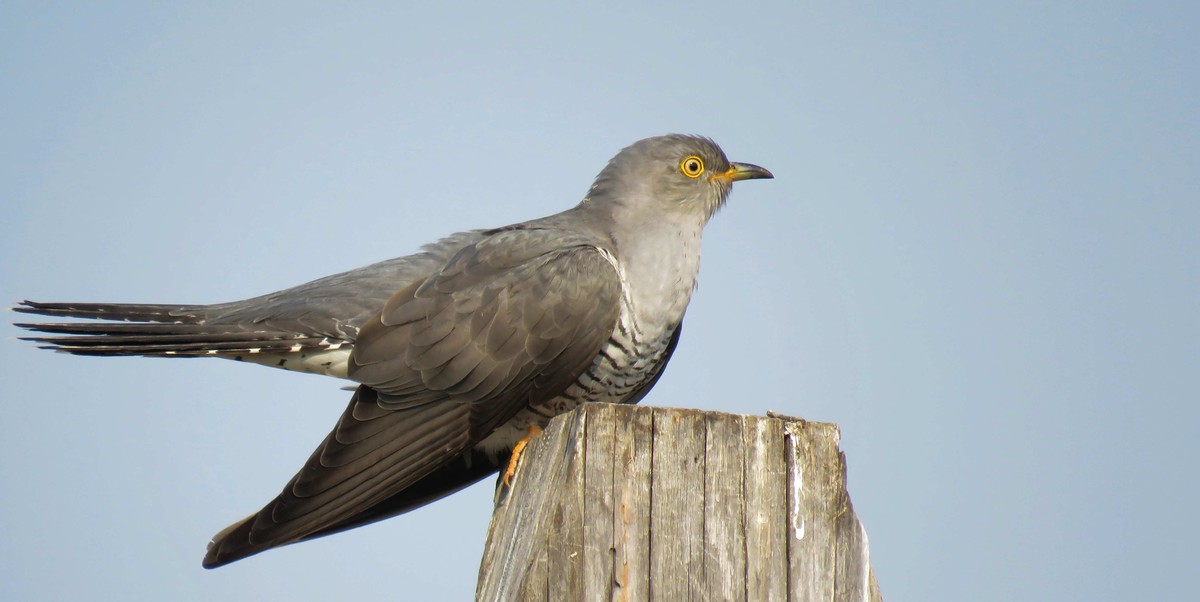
(641, 503)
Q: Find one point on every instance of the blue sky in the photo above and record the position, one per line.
(979, 257)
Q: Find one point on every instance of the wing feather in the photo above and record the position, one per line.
(447, 360)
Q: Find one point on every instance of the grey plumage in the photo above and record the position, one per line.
(455, 349)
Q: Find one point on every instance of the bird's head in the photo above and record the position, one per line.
(672, 174)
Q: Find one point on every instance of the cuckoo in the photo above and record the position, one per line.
(458, 351)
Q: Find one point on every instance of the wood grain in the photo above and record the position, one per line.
(627, 503)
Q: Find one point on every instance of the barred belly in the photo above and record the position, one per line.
(621, 373)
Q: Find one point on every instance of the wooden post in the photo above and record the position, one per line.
(637, 503)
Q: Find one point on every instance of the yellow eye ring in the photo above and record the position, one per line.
(692, 166)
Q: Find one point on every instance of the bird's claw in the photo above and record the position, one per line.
(515, 458)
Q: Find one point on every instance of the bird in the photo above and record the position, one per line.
(458, 352)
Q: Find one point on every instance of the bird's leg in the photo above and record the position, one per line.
(515, 458)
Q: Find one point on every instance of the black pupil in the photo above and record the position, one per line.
(692, 166)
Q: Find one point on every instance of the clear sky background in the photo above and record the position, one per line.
(980, 257)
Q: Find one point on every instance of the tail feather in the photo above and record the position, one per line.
(157, 330)
(220, 347)
(115, 328)
(129, 312)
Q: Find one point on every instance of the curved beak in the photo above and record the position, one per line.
(746, 171)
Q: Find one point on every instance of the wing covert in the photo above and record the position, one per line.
(504, 325)
(445, 362)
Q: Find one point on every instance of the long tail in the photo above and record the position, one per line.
(156, 330)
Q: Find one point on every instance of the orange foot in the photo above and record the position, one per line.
(515, 458)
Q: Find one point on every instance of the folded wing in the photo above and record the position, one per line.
(510, 321)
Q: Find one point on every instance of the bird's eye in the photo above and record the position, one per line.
(692, 167)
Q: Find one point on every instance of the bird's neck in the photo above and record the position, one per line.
(660, 264)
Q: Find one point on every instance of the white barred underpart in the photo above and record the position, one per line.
(628, 359)
(331, 359)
